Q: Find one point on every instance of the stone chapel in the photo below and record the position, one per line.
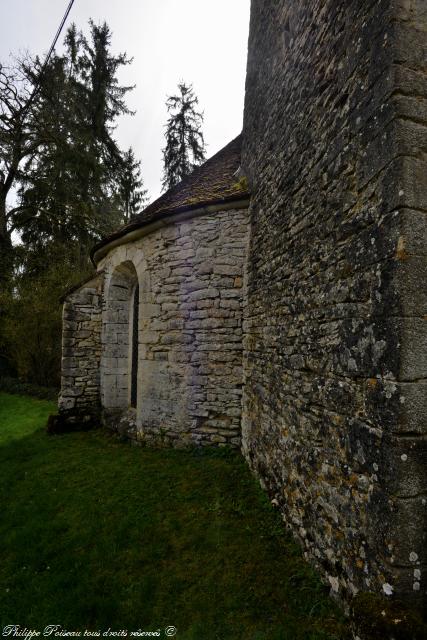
(154, 339)
(276, 299)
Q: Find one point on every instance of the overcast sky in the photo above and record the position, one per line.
(198, 41)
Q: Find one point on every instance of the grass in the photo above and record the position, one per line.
(97, 534)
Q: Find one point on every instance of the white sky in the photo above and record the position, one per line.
(198, 41)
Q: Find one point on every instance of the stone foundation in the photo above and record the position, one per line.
(122, 423)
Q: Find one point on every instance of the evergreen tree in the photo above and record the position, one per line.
(69, 189)
(131, 192)
(185, 146)
(58, 155)
(105, 97)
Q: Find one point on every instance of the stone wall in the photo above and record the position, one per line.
(335, 150)
(81, 349)
(191, 294)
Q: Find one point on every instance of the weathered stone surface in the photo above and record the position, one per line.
(187, 317)
(335, 344)
(81, 349)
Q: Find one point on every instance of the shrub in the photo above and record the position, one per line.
(31, 317)
(16, 386)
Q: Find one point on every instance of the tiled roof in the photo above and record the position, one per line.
(214, 182)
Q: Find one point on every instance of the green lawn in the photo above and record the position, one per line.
(96, 534)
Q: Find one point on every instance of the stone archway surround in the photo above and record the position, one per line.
(117, 325)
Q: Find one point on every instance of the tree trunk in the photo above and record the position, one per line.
(6, 249)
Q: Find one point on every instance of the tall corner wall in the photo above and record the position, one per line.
(335, 349)
(81, 349)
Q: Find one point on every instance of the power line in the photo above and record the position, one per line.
(46, 62)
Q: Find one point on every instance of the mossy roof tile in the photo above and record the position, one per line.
(214, 182)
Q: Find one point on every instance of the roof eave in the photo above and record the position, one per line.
(140, 228)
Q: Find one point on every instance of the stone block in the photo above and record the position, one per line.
(203, 294)
(148, 337)
(149, 310)
(176, 337)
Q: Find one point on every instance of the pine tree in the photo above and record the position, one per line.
(185, 146)
(131, 192)
(105, 96)
(62, 165)
(69, 190)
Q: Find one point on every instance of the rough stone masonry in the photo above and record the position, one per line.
(190, 278)
(335, 333)
(81, 348)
